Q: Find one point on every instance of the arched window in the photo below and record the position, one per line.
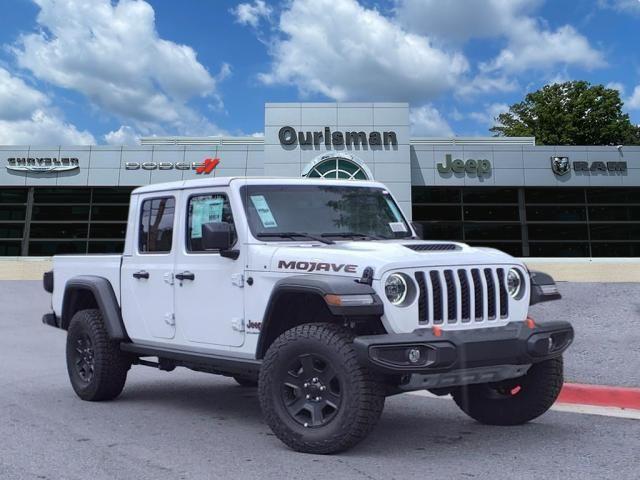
(337, 167)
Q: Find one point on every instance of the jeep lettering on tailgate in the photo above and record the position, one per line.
(317, 266)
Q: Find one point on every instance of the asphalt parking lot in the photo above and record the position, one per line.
(187, 425)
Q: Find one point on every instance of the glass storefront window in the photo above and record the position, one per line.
(11, 230)
(111, 195)
(59, 230)
(554, 195)
(110, 212)
(108, 230)
(437, 212)
(619, 213)
(436, 195)
(561, 249)
(16, 212)
(13, 195)
(492, 231)
(499, 196)
(62, 195)
(555, 231)
(106, 247)
(491, 213)
(559, 213)
(10, 249)
(60, 212)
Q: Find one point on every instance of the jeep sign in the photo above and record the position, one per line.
(470, 166)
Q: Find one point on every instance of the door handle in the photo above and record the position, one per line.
(141, 274)
(185, 276)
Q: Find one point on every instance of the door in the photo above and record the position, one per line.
(147, 274)
(209, 288)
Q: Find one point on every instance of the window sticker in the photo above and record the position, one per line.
(397, 227)
(264, 212)
(205, 210)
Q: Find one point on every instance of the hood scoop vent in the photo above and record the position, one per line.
(432, 247)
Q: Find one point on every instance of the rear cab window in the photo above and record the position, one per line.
(155, 230)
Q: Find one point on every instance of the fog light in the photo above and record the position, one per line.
(414, 355)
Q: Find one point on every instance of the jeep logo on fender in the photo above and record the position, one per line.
(471, 166)
(317, 266)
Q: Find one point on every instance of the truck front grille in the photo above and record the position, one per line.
(462, 295)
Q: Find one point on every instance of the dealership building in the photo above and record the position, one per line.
(528, 200)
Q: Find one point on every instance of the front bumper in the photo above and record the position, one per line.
(516, 343)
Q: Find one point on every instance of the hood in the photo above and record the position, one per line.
(352, 257)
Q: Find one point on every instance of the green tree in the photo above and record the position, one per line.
(570, 113)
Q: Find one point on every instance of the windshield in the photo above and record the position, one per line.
(293, 212)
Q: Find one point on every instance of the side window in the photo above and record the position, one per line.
(203, 209)
(156, 225)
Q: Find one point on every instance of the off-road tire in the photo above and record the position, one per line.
(246, 381)
(362, 397)
(110, 365)
(515, 401)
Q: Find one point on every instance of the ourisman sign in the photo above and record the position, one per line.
(288, 136)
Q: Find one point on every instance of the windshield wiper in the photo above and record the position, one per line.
(354, 234)
(293, 235)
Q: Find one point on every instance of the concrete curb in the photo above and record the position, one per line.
(600, 395)
(604, 270)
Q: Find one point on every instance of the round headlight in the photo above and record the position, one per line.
(395, 288)
(514, 282)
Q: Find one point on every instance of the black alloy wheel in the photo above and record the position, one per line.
(84, 358)
(311, 390)
(314, 393)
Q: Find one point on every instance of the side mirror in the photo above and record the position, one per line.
(218, 236)
(419, 229)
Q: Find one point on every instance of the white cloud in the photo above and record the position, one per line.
(125, 135)
(251, 14)
(483, 84)
(343, 50)
(616, 86)
(530, 44)
(26, 117)
(17, 99)
(532, 48)
(624, 6)
(113, 55)
(633, 102)
(462, 20)
(489, 116)
(42, 128)
(427, 121)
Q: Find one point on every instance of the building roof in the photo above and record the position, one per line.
(452, 141)
(225, 181)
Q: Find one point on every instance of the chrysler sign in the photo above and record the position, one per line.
(42, 164)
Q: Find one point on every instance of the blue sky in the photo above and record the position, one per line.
(100, 71)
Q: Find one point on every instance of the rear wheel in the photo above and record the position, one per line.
(314, 394)
(96, 366)
(515, 401)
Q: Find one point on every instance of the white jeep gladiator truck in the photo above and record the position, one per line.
(318, 291)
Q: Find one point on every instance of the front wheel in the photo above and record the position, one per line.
(515, 401)
(314, 394)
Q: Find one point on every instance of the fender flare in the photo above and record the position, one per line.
(105, 297)
(320, 285)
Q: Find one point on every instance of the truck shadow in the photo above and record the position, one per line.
(422, 427)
